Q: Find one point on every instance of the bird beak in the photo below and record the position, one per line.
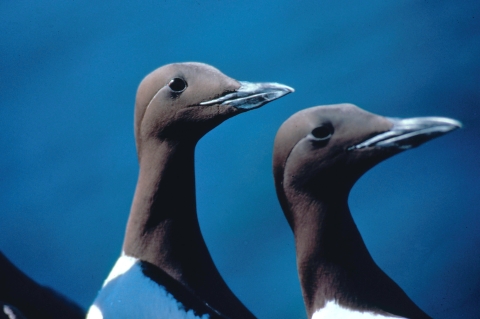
(252, 95)
(412, 132)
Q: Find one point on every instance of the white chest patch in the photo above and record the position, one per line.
(127, 293)
(332, 310)
(9, 312)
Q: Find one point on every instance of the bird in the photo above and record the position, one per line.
(165, 269)
(22, 297)
(319, 154)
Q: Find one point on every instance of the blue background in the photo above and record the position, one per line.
(68, 76)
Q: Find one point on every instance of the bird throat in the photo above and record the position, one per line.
(163, 227)
(331, 254)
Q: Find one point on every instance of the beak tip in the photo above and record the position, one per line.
(451, 124)
(280, 87)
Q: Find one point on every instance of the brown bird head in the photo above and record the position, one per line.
(183, 101)
(323, 150)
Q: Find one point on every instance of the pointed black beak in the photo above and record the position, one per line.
(252, 95)
(412, 132)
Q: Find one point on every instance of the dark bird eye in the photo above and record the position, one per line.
(321, 133)
(177, 85)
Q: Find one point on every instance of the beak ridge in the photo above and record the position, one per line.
(411, 132)
(252, 95)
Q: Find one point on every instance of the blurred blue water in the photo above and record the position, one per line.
(68, 76)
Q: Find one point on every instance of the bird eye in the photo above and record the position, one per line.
(177, 85)
(322, 133)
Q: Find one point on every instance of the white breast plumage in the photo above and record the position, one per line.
(333, 310)
(127, 293)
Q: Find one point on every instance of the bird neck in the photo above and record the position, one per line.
(163, 227)
(163, 214)
(334, 264)
(328, 244)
